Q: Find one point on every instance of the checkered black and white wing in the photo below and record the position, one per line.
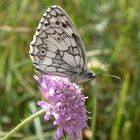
(57, 47)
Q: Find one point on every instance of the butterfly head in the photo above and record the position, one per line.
(90, 75)
(82, 77)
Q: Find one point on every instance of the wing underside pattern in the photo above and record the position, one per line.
(57, 47)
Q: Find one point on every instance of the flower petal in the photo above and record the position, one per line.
(59, 133)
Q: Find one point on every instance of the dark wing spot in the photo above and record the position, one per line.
(63, 36)
(41, 58)
(58, 39)
(64, 25)
(38, 29)
(73, 35)
(57, 22)
(42, 52)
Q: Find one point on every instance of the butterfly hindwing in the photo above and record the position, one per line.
(57, 47)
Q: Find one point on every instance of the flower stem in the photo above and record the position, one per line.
(22, 124)
(94, 112)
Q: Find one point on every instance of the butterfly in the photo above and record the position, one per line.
(57, 48)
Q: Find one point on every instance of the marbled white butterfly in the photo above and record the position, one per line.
(57, 48)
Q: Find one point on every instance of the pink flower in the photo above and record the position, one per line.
(65, 102)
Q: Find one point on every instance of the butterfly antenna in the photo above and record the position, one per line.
(110, 75)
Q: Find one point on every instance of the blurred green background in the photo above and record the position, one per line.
(111, 33)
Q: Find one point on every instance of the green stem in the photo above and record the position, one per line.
(94, 112)
(121, 105)
(22, 124)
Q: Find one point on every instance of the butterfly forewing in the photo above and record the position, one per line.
(57, 47)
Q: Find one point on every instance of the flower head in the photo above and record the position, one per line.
(65, 102)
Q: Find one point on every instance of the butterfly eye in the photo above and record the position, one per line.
(42, 52)
(90, 75)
